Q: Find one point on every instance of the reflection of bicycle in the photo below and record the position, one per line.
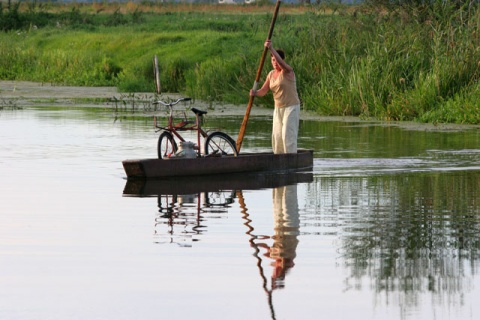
(217, 143)
(221, 198)
(185, 215)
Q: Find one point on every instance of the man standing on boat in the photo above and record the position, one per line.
(281, 81)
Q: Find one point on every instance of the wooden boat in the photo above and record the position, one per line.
(213, 183)
(243, 163)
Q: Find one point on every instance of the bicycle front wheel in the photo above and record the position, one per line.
(166, 145)
(220, 143)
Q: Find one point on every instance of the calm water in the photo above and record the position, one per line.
(386, 226)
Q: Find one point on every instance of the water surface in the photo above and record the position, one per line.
(385, 226)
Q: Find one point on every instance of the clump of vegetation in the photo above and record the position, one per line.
(10, 18)
(392, 61)
(405, 63)
(9, 104)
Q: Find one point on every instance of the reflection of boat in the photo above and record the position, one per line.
(212, 183)
(246, 162)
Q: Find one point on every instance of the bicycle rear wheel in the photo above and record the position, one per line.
(221, 143)
(166, 145)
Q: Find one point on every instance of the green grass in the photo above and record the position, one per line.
(411, 63)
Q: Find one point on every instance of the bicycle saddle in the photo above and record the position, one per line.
(199, 112)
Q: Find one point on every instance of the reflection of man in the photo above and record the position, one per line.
(286, 230)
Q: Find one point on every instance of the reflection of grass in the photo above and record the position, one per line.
(398, 64)
(91, 100)
(125, 102)
(133, 102)
(423, 236)
(44, 100)
(9, 104)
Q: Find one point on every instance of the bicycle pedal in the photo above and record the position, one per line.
(213, 154)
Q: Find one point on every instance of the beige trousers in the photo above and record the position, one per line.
(285, 129)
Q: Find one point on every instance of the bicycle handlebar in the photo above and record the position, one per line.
(172, 103)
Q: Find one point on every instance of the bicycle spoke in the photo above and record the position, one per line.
(166, 145)
(220, 143)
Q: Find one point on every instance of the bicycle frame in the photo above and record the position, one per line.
(184, 125)
(216, 142)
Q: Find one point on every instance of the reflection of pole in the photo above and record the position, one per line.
(166, 212)
(247, 223)
(199, 210)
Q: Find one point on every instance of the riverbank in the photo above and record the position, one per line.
(27, 94)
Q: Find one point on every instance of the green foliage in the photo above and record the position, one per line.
(462, 108)
(210, 78)
(409, 62)
(116, 19)
(399, 65)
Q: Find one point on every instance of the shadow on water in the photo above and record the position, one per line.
(212, 183)
(215, 194)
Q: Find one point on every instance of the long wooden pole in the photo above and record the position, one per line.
(157, 75)
(241, 134)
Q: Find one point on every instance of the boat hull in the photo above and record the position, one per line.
(245, 162)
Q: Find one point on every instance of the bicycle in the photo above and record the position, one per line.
(216, 143)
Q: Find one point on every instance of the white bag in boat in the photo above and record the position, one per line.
(186, 150)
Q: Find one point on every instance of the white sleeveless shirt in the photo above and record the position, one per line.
(284, 89)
